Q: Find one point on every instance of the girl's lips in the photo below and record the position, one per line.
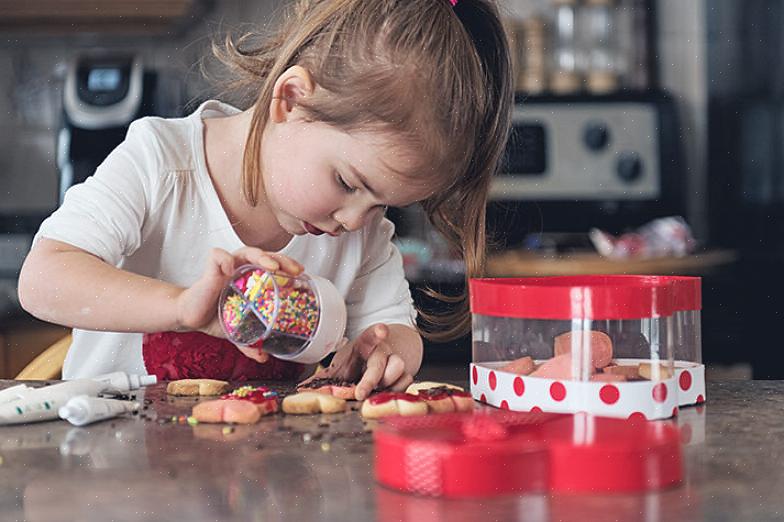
(312, 230)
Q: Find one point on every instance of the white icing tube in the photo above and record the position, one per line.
(14, 393)
(121, 382)
(83, 410)
(42, 403)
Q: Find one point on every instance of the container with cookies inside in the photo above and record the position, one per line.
(300, 318)
(597, 344)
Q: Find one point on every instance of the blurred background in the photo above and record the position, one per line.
(647, 139)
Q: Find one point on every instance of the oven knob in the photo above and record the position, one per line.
(629, 166)
(596, 136)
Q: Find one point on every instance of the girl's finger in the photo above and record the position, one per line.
(255, 256)
(222, 262)
(402, 383)
(369, 339)
(254, 353)
(394, 370)
(287, 264)
(374, 372)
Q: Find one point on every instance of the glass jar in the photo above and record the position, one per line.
(565, 74)
(602, 54)
(300, 318)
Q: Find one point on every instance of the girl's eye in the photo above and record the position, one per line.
(345, 186)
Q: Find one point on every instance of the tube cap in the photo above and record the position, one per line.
(148, 380)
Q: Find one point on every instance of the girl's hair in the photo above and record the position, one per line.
(435, 75)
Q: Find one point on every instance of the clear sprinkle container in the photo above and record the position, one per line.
(301, 318)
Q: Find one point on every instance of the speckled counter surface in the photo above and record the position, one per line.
(321, 468)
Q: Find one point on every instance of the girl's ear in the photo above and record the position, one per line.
(291, 86)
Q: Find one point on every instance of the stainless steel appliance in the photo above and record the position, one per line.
(103, 94)
(577, 162)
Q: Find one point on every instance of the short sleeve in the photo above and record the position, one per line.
(380, 292)
(105, 214)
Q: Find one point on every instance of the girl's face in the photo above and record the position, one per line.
(318, 179)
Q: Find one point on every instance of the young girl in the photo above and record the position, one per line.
(353, 106)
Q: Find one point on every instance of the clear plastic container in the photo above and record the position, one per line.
(687, 318)
(555, 342)
(300, 318)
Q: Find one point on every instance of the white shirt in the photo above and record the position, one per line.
(151, 209)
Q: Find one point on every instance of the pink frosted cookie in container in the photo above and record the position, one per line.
(596, 344)
(299, 319)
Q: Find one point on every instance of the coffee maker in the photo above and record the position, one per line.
(103, 94)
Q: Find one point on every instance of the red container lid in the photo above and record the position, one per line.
(492, 453)
(601, 297)
(687, 293)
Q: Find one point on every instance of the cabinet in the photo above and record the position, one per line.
(22, 339)
(116, 16)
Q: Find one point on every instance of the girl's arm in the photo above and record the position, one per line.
(63, 284)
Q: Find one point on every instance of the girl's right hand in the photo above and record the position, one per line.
(197, 306)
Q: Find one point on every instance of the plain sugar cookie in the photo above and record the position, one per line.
(192, 387)
(309, 403)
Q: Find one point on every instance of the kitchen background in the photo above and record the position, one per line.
(627, 111)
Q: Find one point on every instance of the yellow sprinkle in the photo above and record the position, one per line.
(325, 446)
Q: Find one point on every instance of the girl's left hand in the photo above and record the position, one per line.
(372, 354)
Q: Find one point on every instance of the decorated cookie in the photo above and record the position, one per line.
(197, 387)
(599, 342)
(442, 397)
(632, 373)
(262, 397)
(386, 404)
(309, 403)
(522, 366)
(649, 371)
(330, 386)
(237, 412)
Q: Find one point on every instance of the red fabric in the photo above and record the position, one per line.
(194, 355)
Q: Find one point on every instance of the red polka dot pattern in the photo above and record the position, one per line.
(685, 380)
(660, 392)
(483, 398)
(504, 405)
(637, 415)
(492, 381)
(609, 394)
(536, 409)
(475, 375)
(700, 399)
(557, 391)
(519, 386)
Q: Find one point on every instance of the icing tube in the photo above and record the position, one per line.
(42, 403)
(120, 382)
(14, 393)
(83, 410)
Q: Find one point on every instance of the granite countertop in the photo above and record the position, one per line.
(321, 468)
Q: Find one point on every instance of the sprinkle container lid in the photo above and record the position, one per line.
(495, 453)
(600, 297)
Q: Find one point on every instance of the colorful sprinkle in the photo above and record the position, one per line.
(258, 308)
(253, 394)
